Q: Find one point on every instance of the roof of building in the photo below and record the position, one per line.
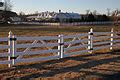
(67, 15)
(56, 15)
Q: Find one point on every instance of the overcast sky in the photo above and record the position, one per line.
(30, 6)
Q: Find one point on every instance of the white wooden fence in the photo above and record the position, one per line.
(70, 24)
(62, 45)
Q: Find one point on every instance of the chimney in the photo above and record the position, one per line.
(59, 11)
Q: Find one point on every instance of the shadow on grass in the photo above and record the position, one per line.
(77, 68)
(73, 68)
(90, 63)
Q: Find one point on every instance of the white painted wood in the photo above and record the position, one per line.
(111, 39)
(83, 43)
(36, 45)
(62, 46)
(38, 38)
(71, 44)
(37, 59)
(59, 45)
(37, 52)
(75, 47)
(4, 55)
(27, 49)
(5, 62)
(77, 35)
(102, 33)
(12, 46)
(73, 53)
(4, 39)
(116, 41)
(117, 32)
(116, 36)
(4, 47)
(10, 51)
(116, 45)
(91, 40)
(44, 43)
(102, 47)
(14, 49)
(76, 41)
(101, 38)
(99, 43)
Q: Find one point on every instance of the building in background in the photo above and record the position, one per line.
(60, 16)
(40, 16)
(67, 17)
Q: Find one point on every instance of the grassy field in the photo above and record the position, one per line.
(102, 63)
(50, 30)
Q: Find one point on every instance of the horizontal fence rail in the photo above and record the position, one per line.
(77, 35)
(37, 52)
(56, 46)
(4, 39)
(38, 38)
(36, 45)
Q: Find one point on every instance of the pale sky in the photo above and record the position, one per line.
(79, 6)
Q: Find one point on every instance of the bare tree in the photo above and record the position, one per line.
(115, 14)
(7, 5)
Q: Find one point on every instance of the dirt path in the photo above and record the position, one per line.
(105, 65)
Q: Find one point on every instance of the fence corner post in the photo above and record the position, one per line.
(111, 39)
(90, 41)
(61, 46)
(10, 48)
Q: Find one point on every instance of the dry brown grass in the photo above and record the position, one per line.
(70, 68)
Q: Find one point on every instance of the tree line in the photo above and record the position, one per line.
(90, 16)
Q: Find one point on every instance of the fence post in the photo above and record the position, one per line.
(90, 41)
(61, 46)
(10, 48)
(111, 39)
(14, 50)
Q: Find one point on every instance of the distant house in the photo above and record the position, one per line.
(67, 16)
(53, 16)
(15, 18)
(41, 16)
(31, 18)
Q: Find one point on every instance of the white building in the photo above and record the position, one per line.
(41, 16)
(53, 15)
(67, 16)
(16, 18)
